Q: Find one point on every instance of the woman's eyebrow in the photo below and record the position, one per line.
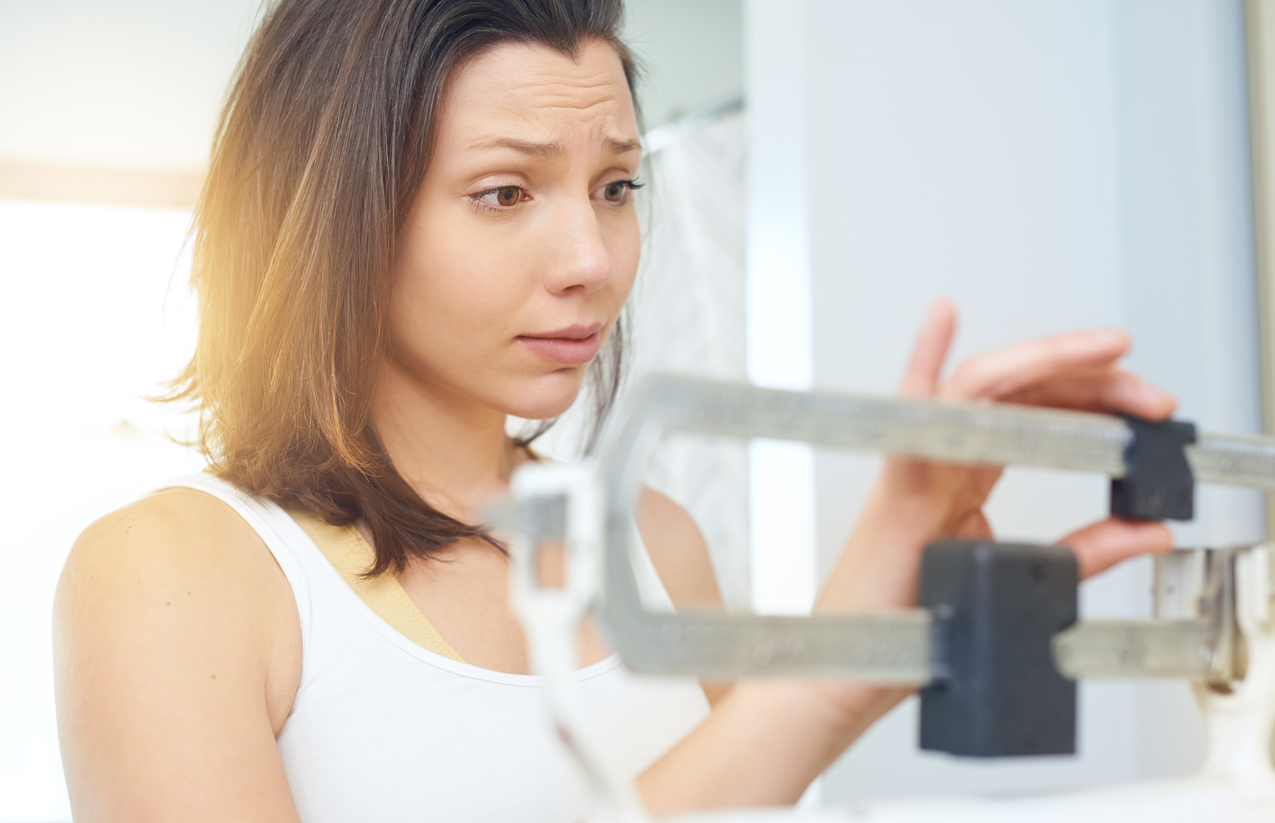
(613, 146)
(622, 146)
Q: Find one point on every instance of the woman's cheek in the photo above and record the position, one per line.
(629, 255)
(470, 288)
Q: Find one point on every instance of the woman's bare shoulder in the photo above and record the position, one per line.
(176, 650)
(677, 549)
(180, 532)
(180, 555)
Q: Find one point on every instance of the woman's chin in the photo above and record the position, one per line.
(545, 398)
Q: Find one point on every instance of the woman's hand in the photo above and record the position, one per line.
(914, 503)
(768, 738)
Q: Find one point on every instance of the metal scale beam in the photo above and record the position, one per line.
(895, 647)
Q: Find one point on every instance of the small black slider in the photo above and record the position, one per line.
(1158, 484)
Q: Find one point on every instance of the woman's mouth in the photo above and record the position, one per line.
(571, 346)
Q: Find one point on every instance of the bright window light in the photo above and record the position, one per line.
(97, 314)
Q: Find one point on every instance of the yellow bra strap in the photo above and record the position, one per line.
(345, 548)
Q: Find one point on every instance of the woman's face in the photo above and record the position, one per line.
(523, 243)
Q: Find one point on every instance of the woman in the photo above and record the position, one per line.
(419, 219)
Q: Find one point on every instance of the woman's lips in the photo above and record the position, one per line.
(571, 351)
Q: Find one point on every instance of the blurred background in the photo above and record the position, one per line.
(821, 169)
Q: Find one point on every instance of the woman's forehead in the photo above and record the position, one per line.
(538, 95)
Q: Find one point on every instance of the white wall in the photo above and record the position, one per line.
(137, 84)
(692, 53)
(1048, 165)
(119, 84)
(1187, 262)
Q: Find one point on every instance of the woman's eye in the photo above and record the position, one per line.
(504, 196)
(618, 192)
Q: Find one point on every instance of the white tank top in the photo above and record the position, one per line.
(384, 730)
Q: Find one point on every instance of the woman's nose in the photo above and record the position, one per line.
(581, 259)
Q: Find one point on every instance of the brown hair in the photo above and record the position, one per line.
(318, 156)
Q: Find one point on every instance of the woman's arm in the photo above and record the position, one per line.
(680, 556)
(176, 653)
(766, 740)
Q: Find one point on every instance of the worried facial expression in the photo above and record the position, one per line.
(523, 243)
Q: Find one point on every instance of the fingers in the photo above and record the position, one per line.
(1103, 388)
(975, 527)
(996, 374)
(1100, 546)
(922, 376)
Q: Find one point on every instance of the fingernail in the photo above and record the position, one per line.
(1154, 394)
(1143, 393)
(1109, 337)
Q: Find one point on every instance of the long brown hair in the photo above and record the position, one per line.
(318, 156)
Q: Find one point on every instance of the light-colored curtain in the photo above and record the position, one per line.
(688, 318)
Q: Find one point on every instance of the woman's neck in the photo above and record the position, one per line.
(451, 449)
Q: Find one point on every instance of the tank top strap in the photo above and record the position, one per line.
(307, 567)
(282, 536)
